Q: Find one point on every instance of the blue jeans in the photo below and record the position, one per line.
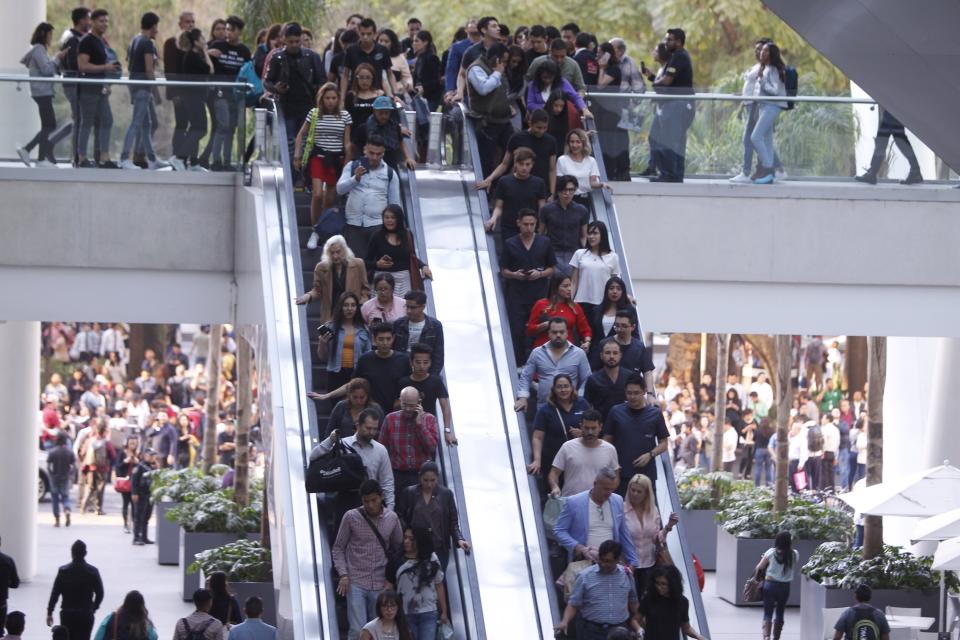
(762, 136)
(140, 125)
(423, 625)
(94, 111)
(226, 116)
(762, 467)
(748, 126)
(775, 596)
(361, 609)
(843, 467)
(60, 496)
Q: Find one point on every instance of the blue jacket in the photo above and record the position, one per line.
(573, 525)
(361, 345)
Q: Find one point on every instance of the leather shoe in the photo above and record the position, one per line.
(147, 541)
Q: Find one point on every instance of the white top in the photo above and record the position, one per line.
(607, 322)
(581, 464)
(416, 328)
(567, 166)
(601, 523)
(831, 437)
(594, 271)
(730, 445)
(377, 632)
(862, 447)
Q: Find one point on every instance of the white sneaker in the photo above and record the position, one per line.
(177, 164)
(46, 163)
(198, 169)
(742, 178)
(158, 164)
(780, 174)
(128, 164)
(313, 241)
(24, 156)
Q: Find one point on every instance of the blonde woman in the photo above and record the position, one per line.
(643, 521)
(337, 272)
(578, 162)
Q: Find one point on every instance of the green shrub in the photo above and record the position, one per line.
(751, 515)
(835, 564)
(242, 561)
(217, 512)
(184, 485)
(701, 490)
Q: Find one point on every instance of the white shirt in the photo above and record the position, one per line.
(730, 445)
(764, 392)
(601, 523)
(567, 166)
(593, 273)
(831, 437)
(580, 464)
(416, 328)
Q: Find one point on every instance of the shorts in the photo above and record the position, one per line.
(322, 171)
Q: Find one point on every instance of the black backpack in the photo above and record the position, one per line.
(814, 439)
(791, 83)
(865, 624)
(340, 469)
(198, 632)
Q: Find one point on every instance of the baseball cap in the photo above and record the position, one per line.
(383, 102)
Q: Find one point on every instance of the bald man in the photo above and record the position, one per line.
(410, 436)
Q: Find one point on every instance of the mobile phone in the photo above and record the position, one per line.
(324, 330)
(365, 163)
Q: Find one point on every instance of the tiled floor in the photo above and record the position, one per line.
(728, 622)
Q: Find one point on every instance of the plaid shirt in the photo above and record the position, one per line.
(409, 446)
(358, 554)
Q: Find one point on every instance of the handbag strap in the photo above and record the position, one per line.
(376, 531)
(116, 621)
(563, 427)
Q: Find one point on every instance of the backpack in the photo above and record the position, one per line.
(249, 75)
(197, 633)
(814, 439)
(791, 82)
(390, 172)
(865, 625)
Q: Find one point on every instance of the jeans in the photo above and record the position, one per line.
(748, 127)
(762, 467)
(675, 119)
(94, 109)
(293, 117)
(587, 630)
(60, 496)
(775, 596)
(142, 511)
(843, 468)
(361, 609)
(194, 126)
(48, 123)
(139, 125)
(423, 625)
(226, 118)
(762, 136)
(139, 149)
(813, 467)
(563, 261)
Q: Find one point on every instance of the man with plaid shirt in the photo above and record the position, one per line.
(411, 437)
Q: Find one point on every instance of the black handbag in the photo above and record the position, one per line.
(341, 469)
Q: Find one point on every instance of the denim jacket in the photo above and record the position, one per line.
(361, 345)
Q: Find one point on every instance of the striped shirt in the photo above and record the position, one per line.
(604, 597)
(409, 445)
(328, 132)
(358, 554)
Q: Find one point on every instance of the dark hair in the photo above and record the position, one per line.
(607, 47)
(274, 32)
(525, 212)
(149, 20)
(383, 327)
(59, 632)
(626, 313)
(292, 29)
(674, 582)
(61, 438)
(369, 487)
(201, 597)
(40, 33)
(79, 14)
(98, 13)
(584, 39)
(571, 26)
(558, 45)
(78, 550)
(522, 154)
(556, 320)
(776, 60)
(563, 181)
(496, 51)
(375, 139)
(391, 596)
(607, 343)
(401, 229)
(863, 593)
(429, 466)
(416, 295)
(420, 348)
(215, 24)
(426, 37)
(414, 21)
(133, 616)
(426, 569)
(539, 115)
(369, 412)
(236, 22)
(619, 633)
(553, 396)
(460, 34)
(604, 238)
(384, 276)
(784, 549)
(553, 289)
(394, 48)
(15, 623)
(662, 52)
(484, 21)
(538, 31)
(636, 379)
(516, 51)
(504, 31)
(678, 33)
(261, 36)
(547, 66)
(367, 23)
(608, 547)
(253, 607)
(552, 32)
(218, 584)
(354, 15)
(623, 302)
(592, 415)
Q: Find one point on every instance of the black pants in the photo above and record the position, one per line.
(675, 118)
(891, 127)
(48, 124)
(129, 510)
(403, 479)
(80, 623)
(826, 471)
(3, 616)
(195, 114)
(492, 138)
(141, 517)
(181, 122)
(518, 314)
(746, 461)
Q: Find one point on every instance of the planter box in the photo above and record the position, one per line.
(193, 543)
(264, 591)
(166, 535)
(814, 598)
(701, 531)
(738, 557)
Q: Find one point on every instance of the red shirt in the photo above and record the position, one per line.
(409, 445)
(578, 329)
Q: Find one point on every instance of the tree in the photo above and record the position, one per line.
(720, 405)
(241, 478)
(213, 399)
(784, 399)
(260, 14)
(877, 378)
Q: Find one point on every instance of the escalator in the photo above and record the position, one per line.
(665, 489)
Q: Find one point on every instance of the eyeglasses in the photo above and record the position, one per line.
(600, 512)
(364, 77)
(568, 190)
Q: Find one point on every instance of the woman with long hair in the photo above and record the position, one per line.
(347, 412)
(556, 421)
(559, 303)
(777, 566)
(343, 340)
(771, 82)
(664, 610)
(646, 528)
(516, 75)
(390, 623)
(391, 250)
(359, 101)
(321, 147)
(400, 67)
(39, 63)
(420, 584)
(427, 84)
(130, 622)
(196, 66)
(432, 506)
(337, 272)
(578, 162)
(128, 459)
(593, 266)
(546, 80)
(562, 117)
(615, 298)
(187, 443)
(225, 607)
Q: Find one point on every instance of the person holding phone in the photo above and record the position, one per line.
(94, 99)
(343, 340)
(411, 437)
(391, 250)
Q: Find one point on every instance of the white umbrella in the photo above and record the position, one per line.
(922, 495)
(940, 527)
(947, 557)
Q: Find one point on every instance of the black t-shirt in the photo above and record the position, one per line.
(93, 47)
(384, 376)
(516, 257)
(140, 47)
(232, 57)
(226, 457)
(360, 110)
(431, 390)
(635, 432)
(544, 147)
(516, 195)
(532, 55)
(194, 67)
(589, 67)
(664, 619)
(379, 58)
(563, 225)
(681, 68)
(603, 393)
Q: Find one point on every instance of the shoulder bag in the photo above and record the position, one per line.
(394, 560)
(753, 587)
(340, 469)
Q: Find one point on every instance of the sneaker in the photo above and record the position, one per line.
(24, 156)
(198, 169)
(155, 165)
(741, 178)
(781, 173)
(129, 165)
(138, 543)
(109, 164)
(87, 164)
(765, 178)
(177, 164)
(45, 163)
(147, 541)
(313, 241)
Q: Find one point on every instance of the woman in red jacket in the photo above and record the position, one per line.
(559, 303)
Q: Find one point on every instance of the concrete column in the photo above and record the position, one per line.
(19, 17)
(941, 441)
(19, 397)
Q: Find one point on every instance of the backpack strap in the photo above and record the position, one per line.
(312, 118)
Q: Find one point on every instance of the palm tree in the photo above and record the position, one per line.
(784, 400)
(876, 381)
(213, 399)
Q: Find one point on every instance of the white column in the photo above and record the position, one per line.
(20, 18)
(941, 441)
(19, 397)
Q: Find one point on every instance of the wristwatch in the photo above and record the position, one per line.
(447, 430)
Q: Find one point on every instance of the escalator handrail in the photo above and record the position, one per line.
(300, 347)
(665, 467)
(473, 157)
(449, 456)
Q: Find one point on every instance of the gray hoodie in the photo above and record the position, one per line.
(42, 65)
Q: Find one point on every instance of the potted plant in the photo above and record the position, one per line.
(209, 521)
(702, 494)
(897, 578)
(249, 570)
(172, 486)
(748, 526)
